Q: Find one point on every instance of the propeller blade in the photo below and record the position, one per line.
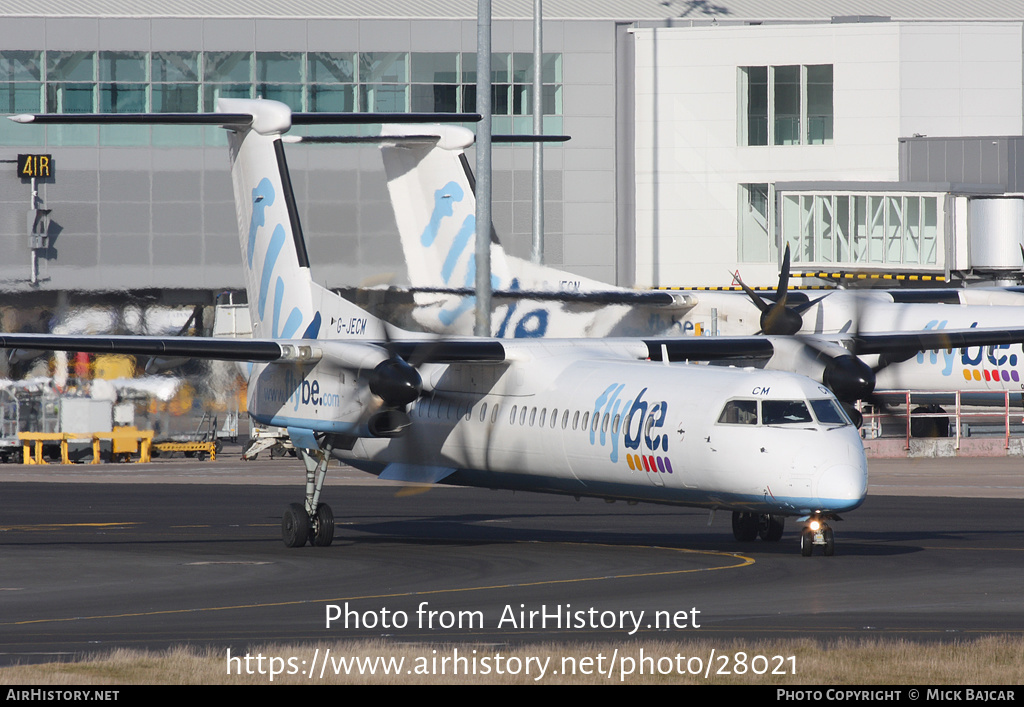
(776, 318)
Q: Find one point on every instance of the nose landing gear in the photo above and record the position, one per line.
(817, 532)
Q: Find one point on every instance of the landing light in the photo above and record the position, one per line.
(814, 525)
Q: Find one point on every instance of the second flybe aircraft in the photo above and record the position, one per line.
(431, 188)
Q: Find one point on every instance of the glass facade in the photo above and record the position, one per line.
(756, 241)
(862, 229)
(20, 82)
(785, 105)
(182, 82)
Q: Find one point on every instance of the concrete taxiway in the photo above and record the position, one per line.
(174, 552)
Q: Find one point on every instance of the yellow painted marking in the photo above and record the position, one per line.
(55, 526)
(412, 490)
(741, 561)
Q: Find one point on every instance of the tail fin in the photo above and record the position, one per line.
(432, 193)
(433, 199)
(284, 302)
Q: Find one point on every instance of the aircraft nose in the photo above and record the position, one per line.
(842, 487)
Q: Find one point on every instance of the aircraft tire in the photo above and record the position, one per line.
(806, 542)
(830, 543)
(770, 527)
(295, 525)
(322, 531)
(744, 526)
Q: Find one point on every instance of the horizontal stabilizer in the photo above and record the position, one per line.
(257, 350)
(229, 119)
(222, 119)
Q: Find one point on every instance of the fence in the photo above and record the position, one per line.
(953, 414)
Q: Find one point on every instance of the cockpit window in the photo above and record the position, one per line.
(829, 412)
(739, 412)
(785, 412)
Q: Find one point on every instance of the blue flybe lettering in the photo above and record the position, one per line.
(295, 391)
(529, 325)
(965, 356)
(1000, 360)
(269, 261)
(445, 199)
(262, 197)
(976, 362)
(608, 403)
(641, 426)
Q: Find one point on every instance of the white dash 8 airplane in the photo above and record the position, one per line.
(609, 418)
(431, 186)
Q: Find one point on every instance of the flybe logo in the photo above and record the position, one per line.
(271, 286)
(639, 423)
(990, 363)
(295, 391)
(531, 324)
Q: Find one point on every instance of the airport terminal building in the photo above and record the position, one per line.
(869, 136)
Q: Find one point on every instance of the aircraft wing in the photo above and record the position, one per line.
(449, 350)
(256, 350)
(711, 348)
(262, 350)
(651, 298)
(913, 341)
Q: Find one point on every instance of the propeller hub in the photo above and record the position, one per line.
(396, 382)
(780, 321)
(849, 378)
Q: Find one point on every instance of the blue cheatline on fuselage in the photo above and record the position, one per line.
(511, 481)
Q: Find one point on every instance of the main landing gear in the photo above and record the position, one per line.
(748, 526)
(817, 532)
(311, 521)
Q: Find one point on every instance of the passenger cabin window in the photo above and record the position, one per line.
(739, 412)
(785, 412)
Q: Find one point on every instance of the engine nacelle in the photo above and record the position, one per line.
(848, 377)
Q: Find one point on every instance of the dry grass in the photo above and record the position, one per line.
(996, 660)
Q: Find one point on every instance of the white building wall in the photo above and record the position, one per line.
(689, 162)
(961, 79)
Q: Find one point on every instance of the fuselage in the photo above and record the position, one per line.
(565, 420)
(980, 368)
